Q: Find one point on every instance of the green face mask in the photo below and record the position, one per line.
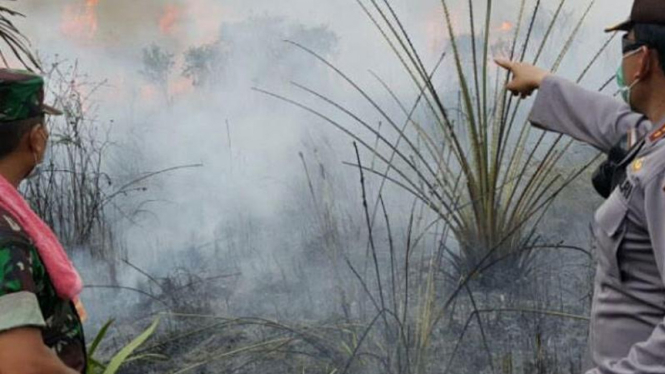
(624, 89)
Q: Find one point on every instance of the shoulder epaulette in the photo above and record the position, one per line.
(658, 134)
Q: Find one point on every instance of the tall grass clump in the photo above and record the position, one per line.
(13, 38)
(470, 157)
(70, 193)
(76, 192)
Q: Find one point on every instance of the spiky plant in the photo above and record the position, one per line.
(124, 355)
(484, 171)
(18, 44)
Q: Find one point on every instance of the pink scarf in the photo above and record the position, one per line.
(64, 276)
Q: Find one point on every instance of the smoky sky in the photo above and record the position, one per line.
(106, 37)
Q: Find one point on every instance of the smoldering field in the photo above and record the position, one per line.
(194, 193)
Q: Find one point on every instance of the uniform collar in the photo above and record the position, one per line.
(656, 134)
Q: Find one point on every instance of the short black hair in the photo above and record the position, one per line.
(11, 133)
(653, 36)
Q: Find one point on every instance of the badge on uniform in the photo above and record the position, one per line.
(658, 134)
(638, 164)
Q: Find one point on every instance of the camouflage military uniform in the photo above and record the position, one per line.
(28, 298)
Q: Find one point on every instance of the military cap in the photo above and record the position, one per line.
(644, 11)
(22, 96)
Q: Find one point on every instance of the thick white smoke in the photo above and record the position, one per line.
(247, 143)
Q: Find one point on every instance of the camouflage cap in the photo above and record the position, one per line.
(22, 96)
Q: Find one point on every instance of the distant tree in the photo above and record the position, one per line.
(157, 66)
(203, 64)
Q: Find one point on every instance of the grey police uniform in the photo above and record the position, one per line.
(627, 331)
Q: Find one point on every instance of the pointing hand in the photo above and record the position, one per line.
(526, 77)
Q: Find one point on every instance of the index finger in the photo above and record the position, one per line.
(506, 64)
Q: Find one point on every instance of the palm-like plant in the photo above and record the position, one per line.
(17, 43)
(484, 172)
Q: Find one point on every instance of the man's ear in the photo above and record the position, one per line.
(37, 139)
(646, 64)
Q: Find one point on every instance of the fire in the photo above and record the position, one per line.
(169, 19)
(506, 26)
(80, 20)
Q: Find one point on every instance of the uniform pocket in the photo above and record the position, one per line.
(609, 232)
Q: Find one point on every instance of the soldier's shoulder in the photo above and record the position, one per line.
(11, 229)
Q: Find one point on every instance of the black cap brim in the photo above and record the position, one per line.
(623, 26)
(47, 109)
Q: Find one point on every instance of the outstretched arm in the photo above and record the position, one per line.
(564, 107)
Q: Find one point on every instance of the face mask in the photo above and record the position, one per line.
(624, 89)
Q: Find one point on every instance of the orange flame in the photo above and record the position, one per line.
(506, 26)
(80, 21)
(169, 19)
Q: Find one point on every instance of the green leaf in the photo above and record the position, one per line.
(122, 356)
(98, 339)
(148, 357)
(93, 365)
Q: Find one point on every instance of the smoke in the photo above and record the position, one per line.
(251, 179)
